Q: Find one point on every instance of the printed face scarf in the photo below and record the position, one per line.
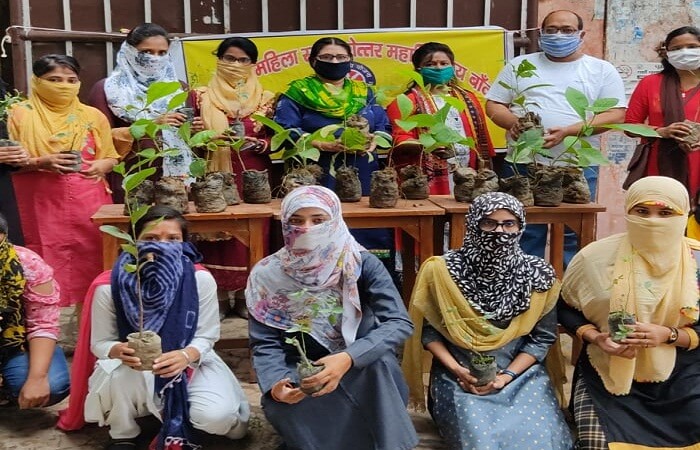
(125, 90)
(12, 284)
(170, 296)
(328, 100)
(491, 270)
(315, 262)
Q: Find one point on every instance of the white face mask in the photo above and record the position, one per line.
(684, 58)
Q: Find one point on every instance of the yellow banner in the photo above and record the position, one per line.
(381, 58)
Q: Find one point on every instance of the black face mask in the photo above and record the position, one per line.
(331, 71)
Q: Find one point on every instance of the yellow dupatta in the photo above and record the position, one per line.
(233, 92)
(439, 301)
(649, 271)
(53, 119)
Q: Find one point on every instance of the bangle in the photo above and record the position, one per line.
(187, 356)
(673, 335)
(512, 374)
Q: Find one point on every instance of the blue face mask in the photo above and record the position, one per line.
(560, 45)
(434, 76)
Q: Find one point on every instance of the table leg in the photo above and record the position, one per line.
(110, 251)
(556, 247)
(408, 257)
(587, 234)
(457, 230)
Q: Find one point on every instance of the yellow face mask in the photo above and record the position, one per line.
(234, 71)
(55, 94)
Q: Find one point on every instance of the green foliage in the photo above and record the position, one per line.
(7, 101)
(319, 305)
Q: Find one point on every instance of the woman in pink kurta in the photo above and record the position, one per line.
(57, 193)
(664, 100)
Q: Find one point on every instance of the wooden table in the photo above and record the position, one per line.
(580, 218)
(416, 218)
(244, 222)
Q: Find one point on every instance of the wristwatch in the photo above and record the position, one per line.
(673, 336)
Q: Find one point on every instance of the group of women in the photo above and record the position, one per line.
(486, 298)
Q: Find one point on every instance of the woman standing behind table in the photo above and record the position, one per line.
(328, 97)
(56, 198)
(435, 62)
(642, 392)
(665, 100)
(142, 60)
(232, 97)
(488, 298)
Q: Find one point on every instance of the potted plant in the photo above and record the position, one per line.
(297, 154)
(208, 190)
(434, 135)
(315, 306)
(530, 141)
(620, 319)
(6, 102)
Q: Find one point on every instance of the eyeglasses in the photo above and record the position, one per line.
(555, 30)
(233, 59)
(327, 57)
(509, 226)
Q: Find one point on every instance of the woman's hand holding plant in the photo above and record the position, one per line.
(99, 168)
(197, 125)
(284, 392)
(14, 156)
(337, 365)
(647, 335)
(170, 364)
(172, 118)
(676, 130)
(123, 351)
(333, 146)
(56, 162)
(604, 341)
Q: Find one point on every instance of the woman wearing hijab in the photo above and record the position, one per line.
(666, 101)
(190, 387)
(142, 60)
(643, 392)
(435, 62)
(29, 298)
(363, 401)
(58, 192)
(233, 95)
(330, 97)
(488, 298)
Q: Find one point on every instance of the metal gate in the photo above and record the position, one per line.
(90, 29)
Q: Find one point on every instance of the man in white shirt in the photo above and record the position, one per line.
(561, 64)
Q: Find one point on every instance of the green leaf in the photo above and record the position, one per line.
(202, 137)
(603, 104)
(535, 86)
(592, 155)
(139, 213)
(161, 89)
(570, 141)
(456, 103)
(138, 128)
(405, 105)
(406, 125)
(130, 249)
(426, 120)
(578, 101)
(633, 128)
(326, 132)
(506, 85)
(381, 141)
(177, 100)
(525, 66)
(116, 232)
(198, 168)
(119, 168)
(132, 180)
(148, 153)
(184, 132)
(353, 138)
(427, 141)
(311, 153)
(279, 139)
(130, 268)
(271, 124)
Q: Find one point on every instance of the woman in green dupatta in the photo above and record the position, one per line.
(330, 97)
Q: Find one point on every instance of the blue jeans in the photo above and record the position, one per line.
(534, 239)
(16, 370)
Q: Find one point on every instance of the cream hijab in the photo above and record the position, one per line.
(649, 271)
